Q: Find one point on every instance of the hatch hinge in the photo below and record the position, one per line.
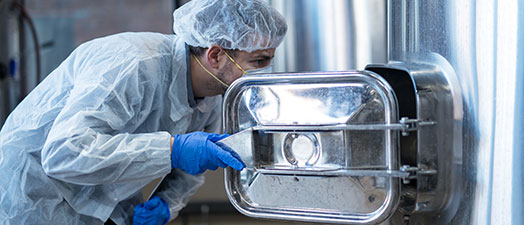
(412, 124)
(414, 171)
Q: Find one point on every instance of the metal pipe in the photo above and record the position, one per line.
(25, 16)
(23, 58)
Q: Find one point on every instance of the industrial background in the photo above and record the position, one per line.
(480, 41)
(327, 35)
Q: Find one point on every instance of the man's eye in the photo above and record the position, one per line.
(259, 63)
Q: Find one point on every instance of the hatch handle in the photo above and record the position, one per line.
(405, 125)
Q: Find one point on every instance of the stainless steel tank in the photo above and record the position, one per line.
(483, 42)
(331, 35)
(455, 76)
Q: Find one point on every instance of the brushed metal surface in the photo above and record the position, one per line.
(483, 42)
(334, 180)
(332, 35)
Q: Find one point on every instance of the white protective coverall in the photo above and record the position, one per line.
(79, 148)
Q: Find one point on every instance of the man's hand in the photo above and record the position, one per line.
(197, 152)
(153, 212)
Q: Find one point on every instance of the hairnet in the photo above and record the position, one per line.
(247, 25)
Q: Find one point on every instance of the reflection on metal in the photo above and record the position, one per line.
(359, 167)
(333, 172)
(404, 125)
(433, 94)
(482, 42)
(324, 129)
(455, 74)
(301, 149)
(242, 143)
(331, 35)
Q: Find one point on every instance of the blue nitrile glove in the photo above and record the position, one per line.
(197, 152)
(153, 212)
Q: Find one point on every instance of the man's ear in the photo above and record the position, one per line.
(215, 56)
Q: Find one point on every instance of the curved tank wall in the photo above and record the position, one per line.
(483, 41)
(331, 35)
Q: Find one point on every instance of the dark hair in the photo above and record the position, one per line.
(199, 51)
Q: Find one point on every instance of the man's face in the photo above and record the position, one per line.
(248, 61)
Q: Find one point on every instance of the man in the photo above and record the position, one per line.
(123, 110)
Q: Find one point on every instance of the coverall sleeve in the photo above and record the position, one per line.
(177, 188)
(92, 141)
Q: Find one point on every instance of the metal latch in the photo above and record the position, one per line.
(413, 171)
(412, 125)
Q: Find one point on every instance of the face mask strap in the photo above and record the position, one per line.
(216, 78)
(232, 60)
